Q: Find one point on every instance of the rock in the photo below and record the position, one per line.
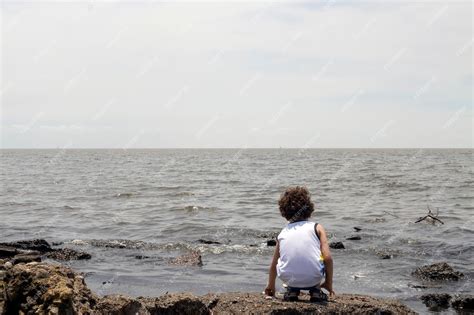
(357, 229)
(254, 303)
(31, 250)
(208, 242)
(190, 259)
(384, 254)
(120, 305)
(26, 258)
(176, 303)
(119, 244)
(271, 243)
(354, 238)
(437, 272)
(268, 234)
(7, 251)
(8, 265)
(39, 245)
(463, 303)
(65, 254)
(337, 245)
(436, 301)
(45, 289)
(52, 289)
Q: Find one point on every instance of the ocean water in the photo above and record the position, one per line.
(134, 209)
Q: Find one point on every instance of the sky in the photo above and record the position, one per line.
(320, 74)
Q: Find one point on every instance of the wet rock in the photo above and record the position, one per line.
(337, 245)
(384, 254)
(271, 243)
(268, 234)
(208, 242)
(463, 303)
(437, 301)
(192, 258)
(7, 251)
(65, 254)
(354, 238)
(31, 250)
(26, 258)
(38, 244)
(437, 272)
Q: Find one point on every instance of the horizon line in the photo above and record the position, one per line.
(244, 148)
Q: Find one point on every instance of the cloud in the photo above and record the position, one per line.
(346, 68)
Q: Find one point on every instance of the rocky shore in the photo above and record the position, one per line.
(43, 288)
(28, 285)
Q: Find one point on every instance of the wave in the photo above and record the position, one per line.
(212, 248)
(125, 195)
(192, 208)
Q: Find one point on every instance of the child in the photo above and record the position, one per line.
(302, 258)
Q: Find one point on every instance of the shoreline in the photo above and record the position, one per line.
(40, 287)
(30, 285)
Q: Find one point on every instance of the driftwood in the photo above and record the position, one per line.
(431, 216)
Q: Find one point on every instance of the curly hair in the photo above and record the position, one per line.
(295, 204)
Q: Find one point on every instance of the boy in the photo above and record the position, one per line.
(302, 258)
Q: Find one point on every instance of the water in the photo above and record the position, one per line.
(161, 202)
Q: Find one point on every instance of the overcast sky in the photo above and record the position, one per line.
(240, 74)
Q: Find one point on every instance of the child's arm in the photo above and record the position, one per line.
(270, 289)
(327, 259)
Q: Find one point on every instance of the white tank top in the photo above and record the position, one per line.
(300, 264)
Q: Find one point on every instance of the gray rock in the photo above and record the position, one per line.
(271, 243)
(7, 251)
(436, 301)
(463, 303)
(337, 245)
(437, 272)
(37, 244)
(65, 254)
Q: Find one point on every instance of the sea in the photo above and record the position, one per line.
(134, 210)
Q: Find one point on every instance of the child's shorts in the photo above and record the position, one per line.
(316, 295)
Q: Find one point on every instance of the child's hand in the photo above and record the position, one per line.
(270, 290)
(328, 287)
